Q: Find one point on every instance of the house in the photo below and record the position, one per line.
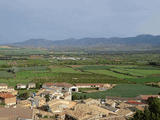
(134, 102)
(64, 87)
(47, 85)
(21, 86)
(123, 105)
(110, 108)
(31, 85)
(91, 101)
(125, 112)
(87, 112)
(144, 98)
(52, 94)
(57, 106)
(38, 101)
(24, 103)
(17, 113)
(3, 86)
(7, 98)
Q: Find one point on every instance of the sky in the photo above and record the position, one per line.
(21, 20)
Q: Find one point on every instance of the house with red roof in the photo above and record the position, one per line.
(7, 98)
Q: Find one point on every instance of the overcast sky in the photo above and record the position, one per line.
(61, 19)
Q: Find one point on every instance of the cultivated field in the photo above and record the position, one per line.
(130, 72)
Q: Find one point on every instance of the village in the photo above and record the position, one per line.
(53, 101)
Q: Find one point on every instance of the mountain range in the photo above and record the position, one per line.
(140, 42)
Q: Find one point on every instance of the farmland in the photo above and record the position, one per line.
(122, 90)
(36, 65)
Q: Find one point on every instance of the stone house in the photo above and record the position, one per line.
(7, 98)
(87, 112)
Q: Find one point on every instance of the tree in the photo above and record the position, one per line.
(23, 96)
(47, 97)
(152, 112)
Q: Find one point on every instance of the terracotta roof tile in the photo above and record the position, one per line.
(6, 95)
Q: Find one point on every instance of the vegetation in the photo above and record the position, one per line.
(121, 90)
(131, 70)
(150, 113)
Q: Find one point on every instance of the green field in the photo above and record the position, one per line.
(63, 69)
(123, 90)
(131, 71)
(85, 74)
(110, 73)
(145, 79)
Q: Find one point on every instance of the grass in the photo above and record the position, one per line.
(65, 70)
(6, 75)
(144, 72)
(80, 78)
(110, 73)
(144, 80)
(86, 89)
(34, 74)
(123, 90)
(22, 51)
(125, 71)
(133, 73)
(28, 91)
(94, 67)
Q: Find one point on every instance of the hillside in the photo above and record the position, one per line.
(141, 42)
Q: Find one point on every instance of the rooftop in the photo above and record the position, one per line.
(81, 84)
(62, 84)
(83, 111)
(14, 113)
(6, 95)
(3, 84)
(145, 97)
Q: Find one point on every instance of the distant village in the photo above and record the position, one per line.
(53, 101)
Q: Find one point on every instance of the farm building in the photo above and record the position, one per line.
(88, 85)
(65, 87)
(21, 86)
(3, 86)
(31, 85)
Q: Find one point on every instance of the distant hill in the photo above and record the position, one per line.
(141, 42)
(35, 43)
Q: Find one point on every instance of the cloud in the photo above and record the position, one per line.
(60, 19)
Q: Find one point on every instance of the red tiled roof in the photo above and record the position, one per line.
(134, 102)
(3, 84)
(145, 97)
(6, 95)
(82, 84)
(49, 84)
(62, 84)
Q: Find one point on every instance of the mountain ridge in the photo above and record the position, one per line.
(118, 43)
